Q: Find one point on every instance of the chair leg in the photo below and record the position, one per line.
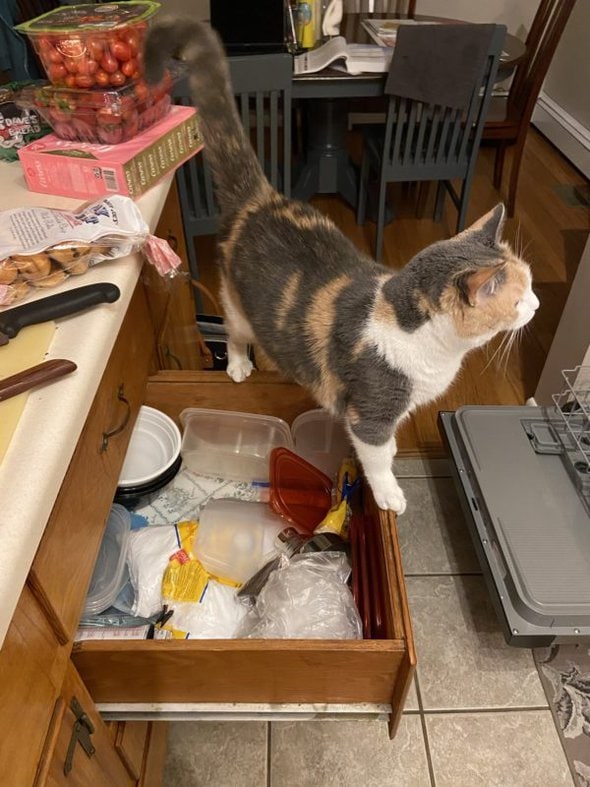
(514, 173)
(361, 205)
(423, 190)
(499, 164)
(440, 200)
(380, 219)
(465, 191)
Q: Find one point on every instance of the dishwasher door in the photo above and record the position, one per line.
(528, 522)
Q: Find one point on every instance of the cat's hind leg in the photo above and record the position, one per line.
(240, 335)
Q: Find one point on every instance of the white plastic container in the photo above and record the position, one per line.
(153, 448)
(109, 572)
(321, 440)
(231, 445)
(236, 538)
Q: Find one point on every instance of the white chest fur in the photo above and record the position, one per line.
(430, 356)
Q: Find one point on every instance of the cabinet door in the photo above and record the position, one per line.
(79, 751)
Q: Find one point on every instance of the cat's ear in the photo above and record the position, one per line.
(488, 227)
(479, 283)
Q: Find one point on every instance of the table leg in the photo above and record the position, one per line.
(328, 168)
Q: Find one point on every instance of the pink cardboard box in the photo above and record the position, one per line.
(80, 169)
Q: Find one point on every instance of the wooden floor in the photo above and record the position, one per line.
(550, 233)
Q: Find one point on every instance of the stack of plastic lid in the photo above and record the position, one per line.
(109, 572)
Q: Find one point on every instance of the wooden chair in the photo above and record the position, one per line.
(509, 117)
(262, 86)
(452, 68)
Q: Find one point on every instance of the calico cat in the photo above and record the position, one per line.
(370, 344)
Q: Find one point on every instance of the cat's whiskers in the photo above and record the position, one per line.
(504, 339)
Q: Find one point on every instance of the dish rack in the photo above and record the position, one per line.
(572, 425)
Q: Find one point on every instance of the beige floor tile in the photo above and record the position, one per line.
(216, 754)
(463, 660)
(433, 534)
(509, 749)
(348, 754)
(412, 698)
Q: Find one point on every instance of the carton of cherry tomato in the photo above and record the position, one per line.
(99, 116)
(92, 45)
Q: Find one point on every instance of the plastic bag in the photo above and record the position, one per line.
(217, 615)
(306, 597)
(18, 125)
(41, 247)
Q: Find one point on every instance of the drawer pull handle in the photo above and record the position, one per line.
(106, 436)
(81, 732)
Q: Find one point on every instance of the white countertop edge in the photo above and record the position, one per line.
(46, 436)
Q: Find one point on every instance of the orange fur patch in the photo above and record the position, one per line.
(288, 299)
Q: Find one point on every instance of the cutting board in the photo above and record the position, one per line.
(25, 350)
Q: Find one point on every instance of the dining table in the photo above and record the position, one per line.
(327, 167)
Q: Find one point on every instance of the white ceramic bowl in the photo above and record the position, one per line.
(153, 448)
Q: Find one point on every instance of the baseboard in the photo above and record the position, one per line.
(566, 133)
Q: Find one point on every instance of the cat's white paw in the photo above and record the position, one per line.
(388, 494)
(239, 368)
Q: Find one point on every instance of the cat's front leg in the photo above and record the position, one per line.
(239, 366)
(377, 462)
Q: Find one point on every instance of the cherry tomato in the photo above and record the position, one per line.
(44, 44)
(64, 130)
(57, 72)
(71, 63)
(94, 47)
(83, 130)
(87, 66)
(105, 117)
(129, 67)
(70, 80)
(110, 136)
(84, 81)
(141, 92)
(131, 38)
(109, 64)
(101, 78)
(71, 47)
(118, 79)
(52, 55)
(120, 50)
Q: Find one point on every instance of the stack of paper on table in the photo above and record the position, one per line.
(357, 58)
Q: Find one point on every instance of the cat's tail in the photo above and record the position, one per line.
(236, 170)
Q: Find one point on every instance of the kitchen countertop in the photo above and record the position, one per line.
(43, 443)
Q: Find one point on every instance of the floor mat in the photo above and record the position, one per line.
(565, 675)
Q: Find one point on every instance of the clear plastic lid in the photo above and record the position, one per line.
(231, 445)
(321, 439)
(109, 571)
(90, 17)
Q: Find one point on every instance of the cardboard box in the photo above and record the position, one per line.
(79, 169)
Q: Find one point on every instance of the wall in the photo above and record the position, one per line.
(516, 16)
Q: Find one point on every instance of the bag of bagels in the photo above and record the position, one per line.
(41, 247)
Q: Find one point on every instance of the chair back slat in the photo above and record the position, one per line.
(262, 88)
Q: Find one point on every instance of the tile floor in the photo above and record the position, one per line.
(476, 716)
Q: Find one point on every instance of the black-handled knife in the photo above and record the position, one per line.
(55, 306)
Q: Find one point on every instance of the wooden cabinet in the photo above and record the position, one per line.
(43, 671)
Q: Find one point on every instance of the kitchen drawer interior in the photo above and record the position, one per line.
(376, 669)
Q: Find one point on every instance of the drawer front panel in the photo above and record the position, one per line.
(63, 565)
(240, 671)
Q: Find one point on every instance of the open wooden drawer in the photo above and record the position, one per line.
(144, 677)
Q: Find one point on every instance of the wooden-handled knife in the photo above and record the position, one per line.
(36, 375)
(55, 306)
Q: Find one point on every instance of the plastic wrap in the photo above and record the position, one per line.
(306, 597)
(41, 247)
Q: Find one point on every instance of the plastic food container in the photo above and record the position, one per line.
(321, 440)
(109, 572)
(87, 46)
(105, 116)
(153, 449)
(231, 445)
(235, 539)
(299, 492)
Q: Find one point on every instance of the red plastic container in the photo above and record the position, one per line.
(99, 116)
(298, 490)
(92, 45)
